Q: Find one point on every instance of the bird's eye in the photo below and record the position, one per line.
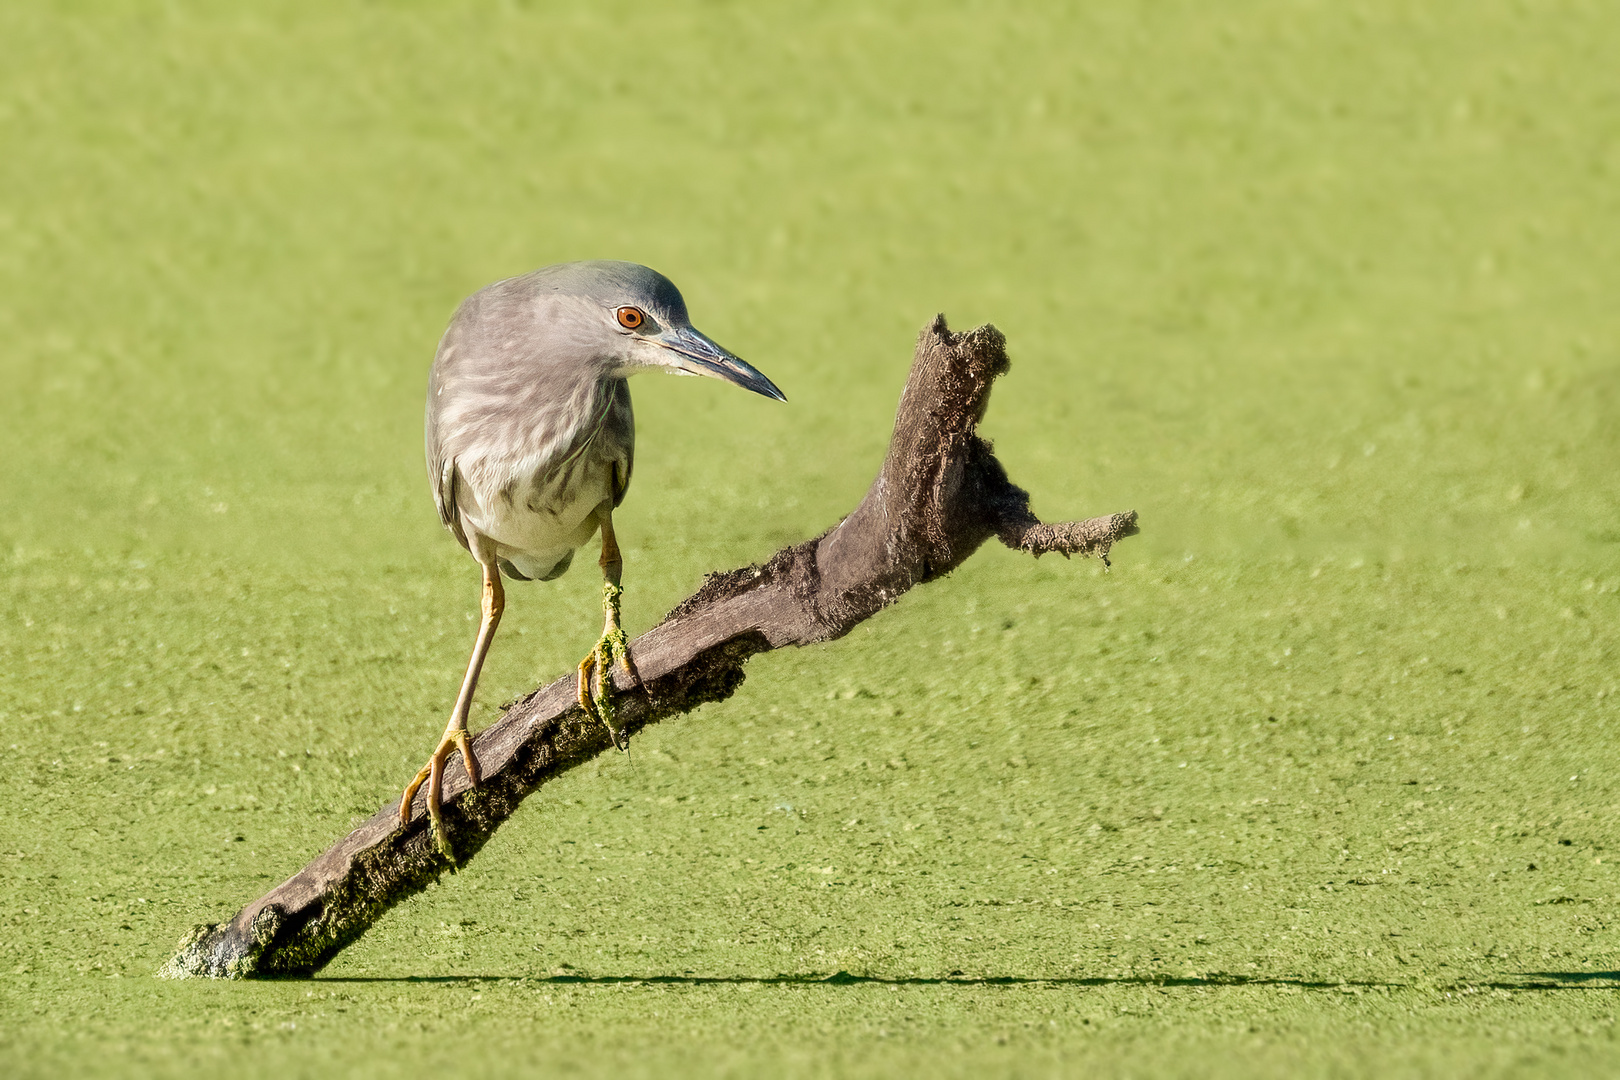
(630, 317)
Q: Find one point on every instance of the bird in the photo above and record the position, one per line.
(530, 442)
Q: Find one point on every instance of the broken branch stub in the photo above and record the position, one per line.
(940, 494)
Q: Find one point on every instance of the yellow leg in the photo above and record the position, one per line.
(597, 699)
(455, 733)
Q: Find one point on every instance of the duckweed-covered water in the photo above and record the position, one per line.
(1321, 779)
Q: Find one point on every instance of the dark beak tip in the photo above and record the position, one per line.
(751, 378)
(724, 364)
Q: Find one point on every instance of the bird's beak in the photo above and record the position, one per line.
(695, 354)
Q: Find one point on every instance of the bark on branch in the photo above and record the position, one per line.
(941, 493)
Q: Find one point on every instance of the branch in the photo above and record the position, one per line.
(941, 493)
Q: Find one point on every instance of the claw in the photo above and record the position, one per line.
(596, 698)
(433, 775)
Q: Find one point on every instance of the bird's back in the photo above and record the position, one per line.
(524, 442)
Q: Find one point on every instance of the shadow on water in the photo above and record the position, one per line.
(1526, 980)
(844, 978)
(1562, 980)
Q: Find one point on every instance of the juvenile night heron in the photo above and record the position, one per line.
(530, 441)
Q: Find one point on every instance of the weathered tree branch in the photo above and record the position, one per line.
(941, 493)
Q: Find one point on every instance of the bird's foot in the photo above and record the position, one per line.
(596, 695)
(456, 738)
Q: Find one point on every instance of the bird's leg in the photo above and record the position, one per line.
(597, 699)
(455, 733)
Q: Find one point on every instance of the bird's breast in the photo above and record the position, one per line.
(538, 520)
(536, 495)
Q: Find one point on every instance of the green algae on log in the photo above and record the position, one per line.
(940, 494)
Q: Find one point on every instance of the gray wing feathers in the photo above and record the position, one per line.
(441, 464)
(621, 432)
(444, 494)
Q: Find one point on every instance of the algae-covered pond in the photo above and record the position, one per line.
(1320, 779)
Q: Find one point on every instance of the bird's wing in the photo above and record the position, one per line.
(622, 423)
(444, 497)
(441, 460)
(621, 479)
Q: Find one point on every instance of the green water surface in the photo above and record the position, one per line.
(1320, 780)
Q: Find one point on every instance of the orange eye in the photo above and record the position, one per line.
(630, 317)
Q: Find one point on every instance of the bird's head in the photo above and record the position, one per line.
(633, 319)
